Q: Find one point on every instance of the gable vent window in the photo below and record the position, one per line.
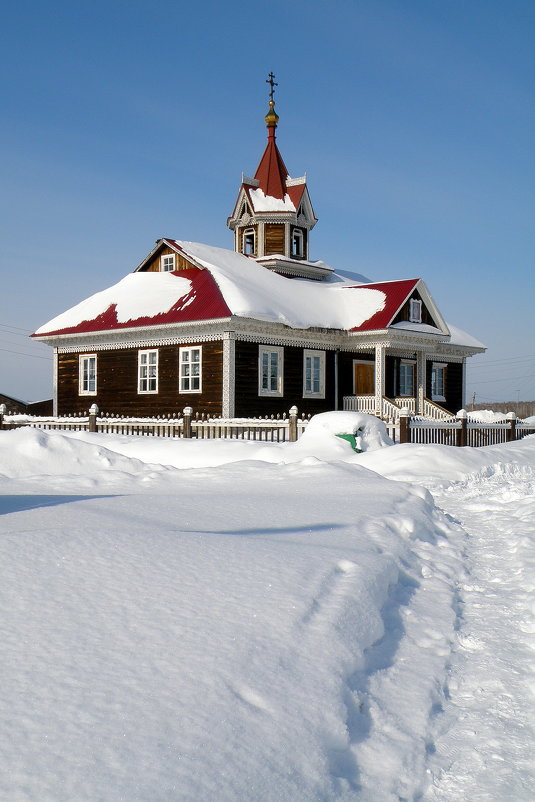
(297, 243)
(415, 311)
(249, 242)
(167, 262)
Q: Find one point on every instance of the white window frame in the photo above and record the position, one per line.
(143, 361)
(249, 232)
(299, 252)
(184, 376)
(412, 364)
(268, 350)
(442, 367)
(415, 310)
(167, 262)
(84, 375)
(308, 391)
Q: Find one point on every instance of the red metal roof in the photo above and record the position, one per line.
(272, 172)
(204, 301)
(396, 292)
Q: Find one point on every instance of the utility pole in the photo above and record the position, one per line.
(473, 401)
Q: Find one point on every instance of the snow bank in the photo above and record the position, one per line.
(370, 432)
(308, 630)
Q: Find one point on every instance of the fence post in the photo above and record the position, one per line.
(461, 438)
(3, 410)
(292, 428)
(511, 431)
(188, 412)
(404, 425)
(93, 412)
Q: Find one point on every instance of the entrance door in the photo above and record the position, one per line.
(364, 378)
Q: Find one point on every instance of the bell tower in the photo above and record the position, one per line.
(273, 215)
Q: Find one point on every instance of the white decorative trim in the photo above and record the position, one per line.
(294, 182)
(380, 372)
(251, 182)
(420, 380)
(229, 374)
(55, 384)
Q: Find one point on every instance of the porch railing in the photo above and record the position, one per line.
(390, 407)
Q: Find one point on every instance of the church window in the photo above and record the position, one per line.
(88, 375)
(297, 243)
(406, 377)
(438, 381)
(314, 374)
(147, 377)
(249, 242)
(190, 369)
(270, 370)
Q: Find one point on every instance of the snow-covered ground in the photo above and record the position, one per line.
(247, 622)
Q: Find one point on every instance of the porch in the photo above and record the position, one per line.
(388, 409)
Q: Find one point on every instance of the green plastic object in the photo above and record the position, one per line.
(351, 438)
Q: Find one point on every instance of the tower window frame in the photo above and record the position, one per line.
(249, 242)
(298, 244)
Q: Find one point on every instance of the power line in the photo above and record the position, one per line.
(501, 361)
(500, 381)
(9, 326)
(20, 353)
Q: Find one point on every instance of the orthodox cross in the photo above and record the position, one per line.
(271, 81)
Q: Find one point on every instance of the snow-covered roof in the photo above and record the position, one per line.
(460, 337)
(223, 283)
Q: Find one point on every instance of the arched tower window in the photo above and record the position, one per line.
(249, 242)
(298, 242)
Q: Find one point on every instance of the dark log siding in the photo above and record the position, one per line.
(273, 238)
(153, 266)
(454, 385)
(404, 312)
(248, 402)
(117, 373)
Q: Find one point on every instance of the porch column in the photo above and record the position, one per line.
(55, 384)
(229, 373)
(380, 352)
(420, 381)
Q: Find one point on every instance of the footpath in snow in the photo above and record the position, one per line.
(240, 621)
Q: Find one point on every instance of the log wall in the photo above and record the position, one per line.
(249, 403)
(117, 379)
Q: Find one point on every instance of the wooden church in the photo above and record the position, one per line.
(258, 329)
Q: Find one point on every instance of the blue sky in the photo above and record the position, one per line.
(128, 120)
